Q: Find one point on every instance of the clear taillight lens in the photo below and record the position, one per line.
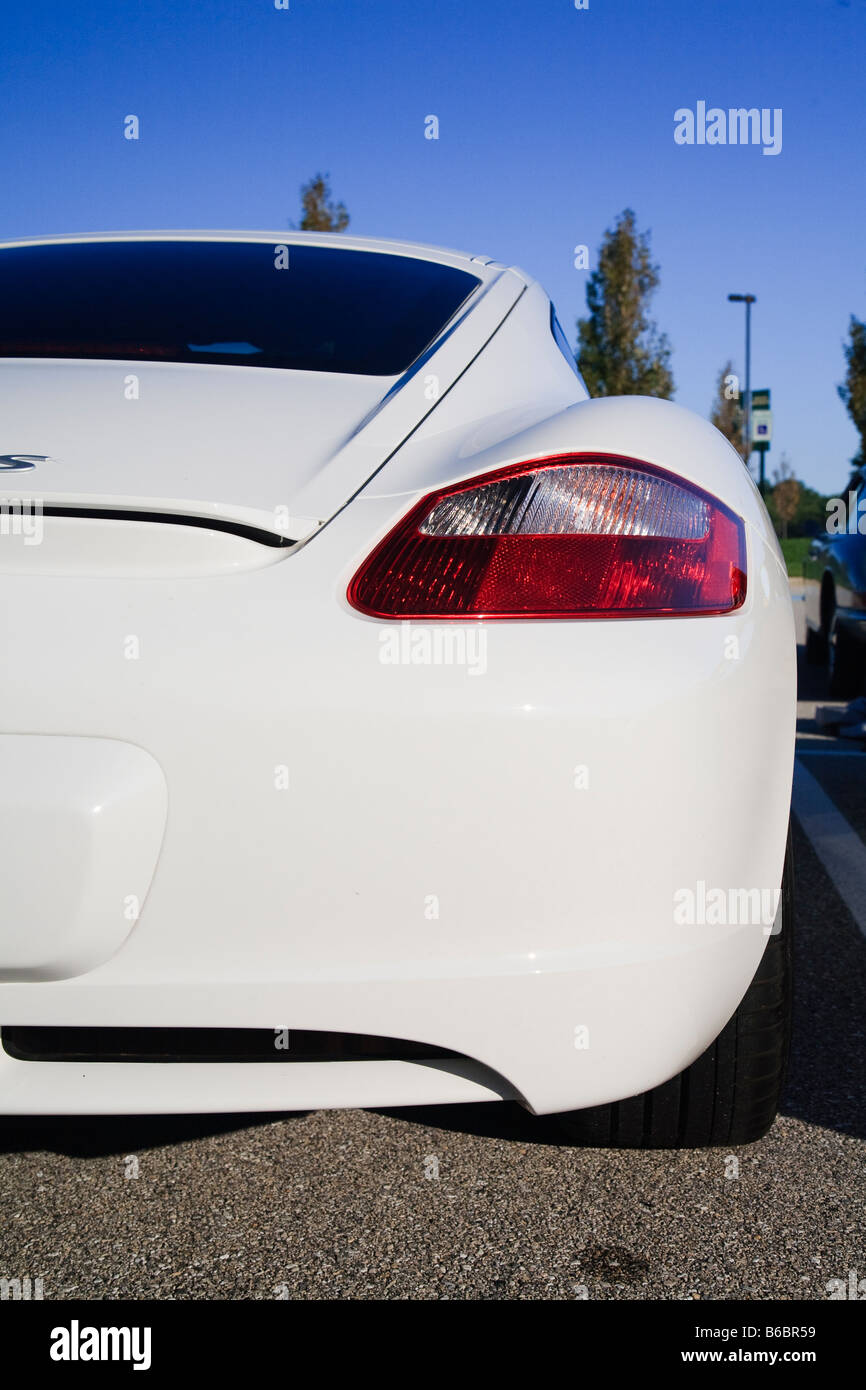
(564, 537)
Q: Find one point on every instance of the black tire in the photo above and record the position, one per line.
(816, 647)
(731, 1094)
(846, 665)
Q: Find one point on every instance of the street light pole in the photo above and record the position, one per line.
(748, 300)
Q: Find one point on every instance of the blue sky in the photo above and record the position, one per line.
(552, 120)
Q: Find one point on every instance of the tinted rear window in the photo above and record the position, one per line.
(330, 310)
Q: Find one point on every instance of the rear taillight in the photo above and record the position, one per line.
(574, 536)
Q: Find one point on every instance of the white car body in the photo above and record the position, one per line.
(228, 800)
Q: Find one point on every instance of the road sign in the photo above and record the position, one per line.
(762, 428)
(761, 420)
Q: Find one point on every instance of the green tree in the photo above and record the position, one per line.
(727, 409)
(320, 212)
(811, 513)
(810, 517)
(853, 389)
(787, 494)
(620, 349)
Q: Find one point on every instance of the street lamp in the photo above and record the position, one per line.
(748, 300)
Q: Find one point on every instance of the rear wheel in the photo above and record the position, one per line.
(731, 1094)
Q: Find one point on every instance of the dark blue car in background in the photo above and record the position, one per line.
(835, 593)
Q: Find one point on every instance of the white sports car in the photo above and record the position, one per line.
(384, 722)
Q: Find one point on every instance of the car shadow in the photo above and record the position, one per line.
(101, 1136)
(827, 1072)
(485, 1120)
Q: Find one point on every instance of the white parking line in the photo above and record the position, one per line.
(836, 844)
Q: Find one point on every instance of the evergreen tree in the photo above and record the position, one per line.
(727, 410)
(320, 212)
(620, 350)
(853, 389)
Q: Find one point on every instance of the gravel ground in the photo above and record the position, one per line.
(347, 1204)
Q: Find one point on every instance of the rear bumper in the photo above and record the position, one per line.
(551, 1034)
(487, 862)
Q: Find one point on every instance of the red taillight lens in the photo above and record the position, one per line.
(565, 537)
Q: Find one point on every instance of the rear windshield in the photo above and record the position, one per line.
(327, 310)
